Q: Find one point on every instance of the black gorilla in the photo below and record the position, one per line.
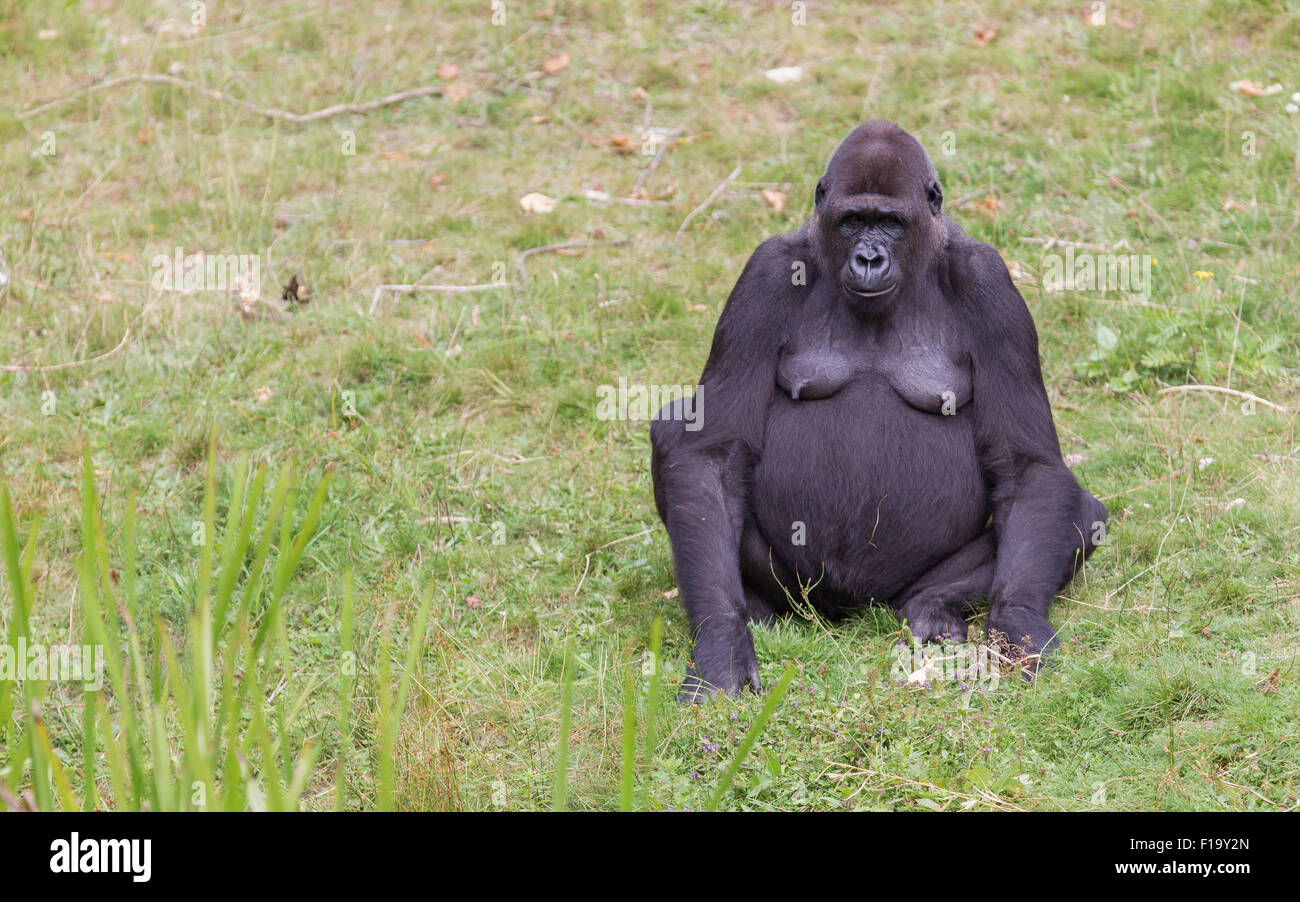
(872, 415)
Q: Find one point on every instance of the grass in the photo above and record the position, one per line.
(454, 544)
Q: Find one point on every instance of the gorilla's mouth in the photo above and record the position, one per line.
(879, 292)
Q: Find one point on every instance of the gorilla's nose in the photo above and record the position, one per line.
(871, 257)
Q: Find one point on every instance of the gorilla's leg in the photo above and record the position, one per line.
(935, 606)
(1092, 520)
(763, 575)
(1052, 527)
(700, 494)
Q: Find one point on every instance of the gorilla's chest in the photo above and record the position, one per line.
(925, 374)
(873, 451)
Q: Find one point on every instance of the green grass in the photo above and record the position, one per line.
(483, 546)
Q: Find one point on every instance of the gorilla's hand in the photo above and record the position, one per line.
(723, 660)
(934, 616)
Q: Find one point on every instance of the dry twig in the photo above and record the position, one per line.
(563, 246)
(47, 368)
(1223, 391)
(708, 200)
(214, 94)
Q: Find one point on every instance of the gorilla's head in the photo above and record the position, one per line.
(877, 214)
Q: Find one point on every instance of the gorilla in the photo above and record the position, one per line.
(876, 425)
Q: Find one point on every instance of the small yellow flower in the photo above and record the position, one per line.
(1203, 274)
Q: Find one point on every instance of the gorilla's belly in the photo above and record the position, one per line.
(877, 491)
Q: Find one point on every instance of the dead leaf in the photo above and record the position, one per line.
(24, 215)
(437, 179)
(697, 308)
(144, 134)
(262, 394)
(1254, 89)
(248, 292)
(400, 156)
(776, 199)
(458, 91)
(984, 36)
(557, 63)
(989, 206)
(448, 71)
(783, 75)
(537, 203)
(296, 291)
(1272, 682)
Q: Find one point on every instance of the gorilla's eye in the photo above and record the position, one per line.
(852, 224)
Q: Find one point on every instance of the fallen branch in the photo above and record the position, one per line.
(451, 289)
(47, 368)
(654, 164)
(1049, 242)
(708, 200)
(565, 246)
(214, 94)
(666, 138)
(1223, 391)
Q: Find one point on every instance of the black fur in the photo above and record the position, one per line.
(893, 405)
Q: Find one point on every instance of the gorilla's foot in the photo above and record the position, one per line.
(723, 661)
(1023, 636)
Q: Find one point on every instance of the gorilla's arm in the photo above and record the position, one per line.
(1043, 521)
(702, 478)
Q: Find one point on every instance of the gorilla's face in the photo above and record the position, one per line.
(876, 207)
(872, 230)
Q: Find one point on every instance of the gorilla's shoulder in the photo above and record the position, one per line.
(780, 251)
(969, 258)
(979, 274)
(773, 264)
(980, 289)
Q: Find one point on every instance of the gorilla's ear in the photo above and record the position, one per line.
(820, 194)
(934, 196)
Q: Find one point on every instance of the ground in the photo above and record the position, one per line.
(469, 465)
